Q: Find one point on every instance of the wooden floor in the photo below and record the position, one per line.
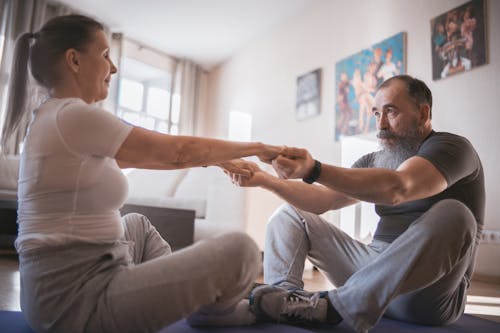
(483, 299)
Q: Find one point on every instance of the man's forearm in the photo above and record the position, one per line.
(375, 185)
(312, 198)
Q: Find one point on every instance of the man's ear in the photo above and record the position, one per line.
(72, 60)
(425, 113)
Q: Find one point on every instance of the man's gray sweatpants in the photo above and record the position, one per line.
(135, 285)
(420, 277)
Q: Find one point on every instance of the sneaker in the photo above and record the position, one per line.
(293, 307)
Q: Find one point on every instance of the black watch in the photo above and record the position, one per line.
(314, 175)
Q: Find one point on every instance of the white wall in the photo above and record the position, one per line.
(261, 80)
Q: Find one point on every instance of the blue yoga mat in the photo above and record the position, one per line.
(13, 322)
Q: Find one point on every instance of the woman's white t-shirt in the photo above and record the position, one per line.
(70, 186)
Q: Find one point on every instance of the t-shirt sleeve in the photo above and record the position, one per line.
(452, 155)
(90, 130)
(365, 161)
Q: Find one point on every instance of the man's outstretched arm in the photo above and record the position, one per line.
(416, 178)
(315, 199)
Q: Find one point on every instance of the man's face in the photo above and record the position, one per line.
(399, 122)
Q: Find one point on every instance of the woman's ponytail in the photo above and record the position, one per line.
(16, 104)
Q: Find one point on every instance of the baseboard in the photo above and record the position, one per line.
(486, 278)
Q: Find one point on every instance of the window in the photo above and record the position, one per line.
(144, 97)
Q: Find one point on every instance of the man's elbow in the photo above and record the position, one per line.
(397, 195)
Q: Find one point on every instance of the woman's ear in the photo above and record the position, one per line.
(72, 60)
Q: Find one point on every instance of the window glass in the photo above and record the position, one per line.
(131, 94)
(158, 102)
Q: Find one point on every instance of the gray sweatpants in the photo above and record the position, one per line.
(420, 277)
(135, 285)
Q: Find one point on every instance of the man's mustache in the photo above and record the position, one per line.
(385, 134)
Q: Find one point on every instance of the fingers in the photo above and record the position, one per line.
(285, 167)
(269, 153)
(239, 180)
(294, 153)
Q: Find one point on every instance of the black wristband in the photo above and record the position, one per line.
(314, 175)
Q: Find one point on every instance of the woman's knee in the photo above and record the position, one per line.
(240, 250)
(134, 221)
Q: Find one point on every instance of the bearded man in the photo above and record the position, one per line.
(428, 189)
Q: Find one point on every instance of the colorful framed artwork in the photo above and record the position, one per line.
(308, 103)
(458, 40)
(357, 78)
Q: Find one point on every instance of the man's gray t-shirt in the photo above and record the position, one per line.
(455, 157)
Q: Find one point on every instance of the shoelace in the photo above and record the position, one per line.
(296, 306)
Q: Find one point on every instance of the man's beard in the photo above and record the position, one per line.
(404, 147)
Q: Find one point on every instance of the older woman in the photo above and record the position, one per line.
(84, 268)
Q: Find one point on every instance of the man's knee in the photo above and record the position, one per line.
(457, 216)
(285, 215)
(450, 220)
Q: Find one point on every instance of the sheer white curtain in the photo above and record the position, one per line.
(189, 85)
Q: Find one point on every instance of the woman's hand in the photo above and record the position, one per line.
(238, 167)
(293, 163)
(269, 153)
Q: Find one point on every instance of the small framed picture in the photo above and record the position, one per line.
(308, 95)
(458, 40)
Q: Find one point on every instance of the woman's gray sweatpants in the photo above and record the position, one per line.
(136, 285)
(420, 277)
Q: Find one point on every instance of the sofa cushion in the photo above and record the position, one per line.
(153, 183)
(194, 187)
(195, 183)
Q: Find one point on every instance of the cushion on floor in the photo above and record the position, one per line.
(13, 322)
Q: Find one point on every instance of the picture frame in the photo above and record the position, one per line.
(458, 40)
(357, 78)
(308, 102)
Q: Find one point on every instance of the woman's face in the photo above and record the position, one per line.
(96, 69)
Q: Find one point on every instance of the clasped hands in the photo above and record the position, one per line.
(288, 163)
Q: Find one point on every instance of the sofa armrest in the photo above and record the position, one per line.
(226, 203)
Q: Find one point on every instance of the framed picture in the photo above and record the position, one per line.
(308, 95)
(458, 40)
(357, 78)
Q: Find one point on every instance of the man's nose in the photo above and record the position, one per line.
(382, 122)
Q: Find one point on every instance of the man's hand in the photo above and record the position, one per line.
(293, 163)
(257, 178)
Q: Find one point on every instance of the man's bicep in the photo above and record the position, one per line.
(421, 178)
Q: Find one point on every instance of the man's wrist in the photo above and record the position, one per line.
(314, 174)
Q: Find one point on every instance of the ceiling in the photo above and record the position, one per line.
(207, 32)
